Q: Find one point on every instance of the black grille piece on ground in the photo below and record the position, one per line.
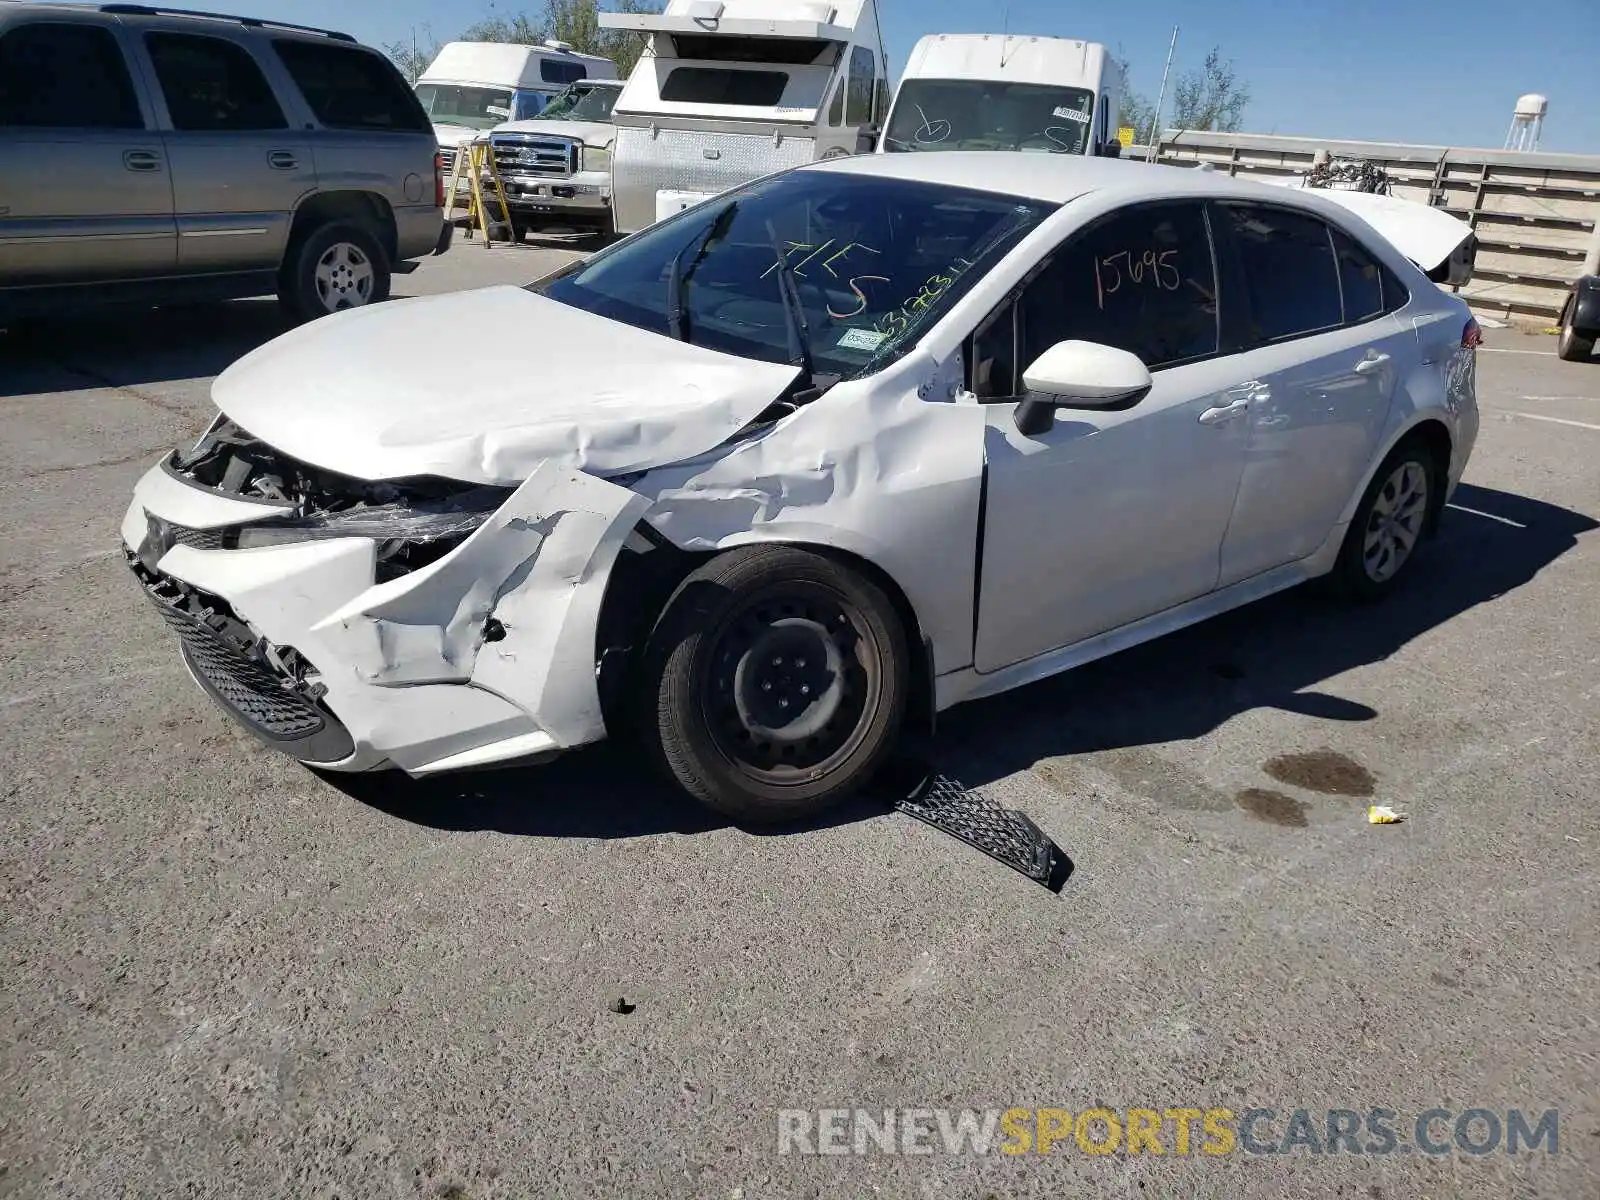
(1005, 835)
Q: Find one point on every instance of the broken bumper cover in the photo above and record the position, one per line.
(301, 645)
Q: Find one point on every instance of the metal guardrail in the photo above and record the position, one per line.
(1537, 215)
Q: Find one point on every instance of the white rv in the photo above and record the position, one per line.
(474, 86)
(990, 91)
(730, 90)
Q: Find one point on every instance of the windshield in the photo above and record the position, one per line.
(474, 107)
(582, 104)
(876, 262)
(978, 114)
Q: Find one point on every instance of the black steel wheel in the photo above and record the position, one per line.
(778, 679)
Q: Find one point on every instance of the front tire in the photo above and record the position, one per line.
(331, 268)
(1388, 525)
(775, 684)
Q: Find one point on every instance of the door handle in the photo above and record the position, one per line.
(282, 160)
(1371, 363)
(141, 160)
(1221, 416)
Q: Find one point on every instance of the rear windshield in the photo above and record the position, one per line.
(978, 114)
(474, 107)
(348, 88)
(718, 85)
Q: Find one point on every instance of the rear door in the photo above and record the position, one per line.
(85, 190)
(1315, 326)
(238, 167)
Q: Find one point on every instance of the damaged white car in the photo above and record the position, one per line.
(767, 485)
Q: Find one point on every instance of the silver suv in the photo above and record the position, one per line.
(159, 155)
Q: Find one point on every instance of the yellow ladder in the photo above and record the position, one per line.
(476, 158)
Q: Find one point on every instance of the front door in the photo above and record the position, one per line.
(1109, 517)
(1324, 339)
(238, 168)
(85, 189)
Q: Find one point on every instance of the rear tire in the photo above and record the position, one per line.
(1570, 347)
(775, 684)
(333, 267)
(1389, 525)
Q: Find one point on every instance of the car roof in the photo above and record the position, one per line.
(114, 11)
(1052, 178)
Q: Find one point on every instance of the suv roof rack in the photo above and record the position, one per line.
(146, 10)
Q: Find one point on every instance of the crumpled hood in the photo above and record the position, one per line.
(485, 385)
(590, 133)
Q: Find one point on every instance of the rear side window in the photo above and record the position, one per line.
(352, 89)
(60, 76)
(212, 84)
(1370, 288)
(717, 85)
(1289, 270)
(555, 71)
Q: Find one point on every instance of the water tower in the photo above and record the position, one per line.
(1527, 122)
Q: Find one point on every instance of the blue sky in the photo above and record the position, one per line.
(1438, 71)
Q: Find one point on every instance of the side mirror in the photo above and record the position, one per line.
(1111, 150)
(1079, 375)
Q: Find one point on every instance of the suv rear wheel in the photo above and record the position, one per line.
(331, 268)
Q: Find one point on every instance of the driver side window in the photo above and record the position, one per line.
(1142, 280)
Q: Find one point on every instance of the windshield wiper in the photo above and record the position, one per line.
(677, 315)
(795, 326)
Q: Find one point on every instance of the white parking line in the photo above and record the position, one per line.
(1590, 399)
(1489, 516)
(1505, 350)
(1552, 420)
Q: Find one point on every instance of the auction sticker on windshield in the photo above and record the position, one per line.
(862, 339)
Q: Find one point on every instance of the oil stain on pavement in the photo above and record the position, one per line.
(1273, 807)
(1325, 771)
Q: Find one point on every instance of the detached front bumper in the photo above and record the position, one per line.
(484, 656)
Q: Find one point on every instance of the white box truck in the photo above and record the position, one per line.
(730, 90)
(471, 87)
(991, 91)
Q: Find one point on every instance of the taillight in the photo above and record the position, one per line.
(1471, 335)
(438, 179)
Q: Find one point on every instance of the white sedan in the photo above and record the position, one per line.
(767, 485)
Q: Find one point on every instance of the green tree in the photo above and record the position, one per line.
(1210, 97)
(414, 56)
(576, 22)
(1207, 97)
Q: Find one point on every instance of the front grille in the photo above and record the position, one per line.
(447, 158)
(530, 154)
(225, 656)
(249, 687)
(199, 539)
